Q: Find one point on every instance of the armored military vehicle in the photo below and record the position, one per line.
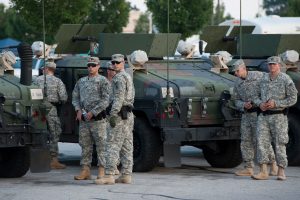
(23, 131)
(255, 49)
(178, 101)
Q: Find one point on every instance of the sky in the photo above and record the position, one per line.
(249, 7)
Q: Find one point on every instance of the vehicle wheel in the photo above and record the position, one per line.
(147, 146)
(227, 154)
(293, 147)
(14, 162)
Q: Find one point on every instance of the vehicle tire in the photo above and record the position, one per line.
(293, 146)
(147, 146)
(227, 155)
(14, 162)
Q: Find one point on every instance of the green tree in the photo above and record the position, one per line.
(142, 25)
(113, 13)
(57, 12)
(218, 16)
(293, 9)
(275, 7)
(2, 21)
(185, 17)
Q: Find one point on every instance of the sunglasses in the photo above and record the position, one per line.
(91, 65)
(115, 62)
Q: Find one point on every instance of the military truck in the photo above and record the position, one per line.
(177, 101)
(23, 131)
(254, 49)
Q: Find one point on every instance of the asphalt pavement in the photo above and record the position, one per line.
(194, 180)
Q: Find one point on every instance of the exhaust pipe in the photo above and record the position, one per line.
(25, 53)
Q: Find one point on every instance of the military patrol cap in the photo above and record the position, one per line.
(274, 59)
(50, 65)
(94, 60)
(237, 64)
(109, 66)
(117, 57)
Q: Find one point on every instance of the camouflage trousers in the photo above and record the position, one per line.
(54, 127)
(90, 133)
(248, 140)
(272, 128)
(120, 146)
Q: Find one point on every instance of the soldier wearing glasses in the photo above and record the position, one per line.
(121, 119)
(277, 93)
(90, 98)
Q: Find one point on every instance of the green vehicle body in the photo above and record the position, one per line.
(23, 130)
(196, 113)
(254, 49)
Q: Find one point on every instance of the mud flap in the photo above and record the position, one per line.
(39, 160)
(172, 157)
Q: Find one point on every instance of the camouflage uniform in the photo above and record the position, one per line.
(246, 90)
(56, 93)
(274, 127)
(92, 95)
(120, 138)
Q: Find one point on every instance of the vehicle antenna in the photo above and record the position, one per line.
(44, 48)
(168, 27)
(240, 43)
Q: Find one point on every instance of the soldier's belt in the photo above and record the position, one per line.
(274, 112)
(251, 110)
(100, 116)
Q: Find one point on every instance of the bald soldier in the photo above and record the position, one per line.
(277, 94)
(246, 88)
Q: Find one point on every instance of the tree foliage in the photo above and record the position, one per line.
(185, 17)
(142, 25)
(113, 13)
(218, 16)
(57, 12)
(282, 7)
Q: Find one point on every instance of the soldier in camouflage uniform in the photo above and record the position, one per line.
(90, 98)
(56, 94)
(246, 89)
(121, 119)
(277, 93)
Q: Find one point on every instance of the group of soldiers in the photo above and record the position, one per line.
(104, 110)
(264, 99)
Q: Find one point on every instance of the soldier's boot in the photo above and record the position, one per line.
(281, 175)
(100, 172)
(125, 178)
(245, 172)
(263, 174)
(55, 164)
(85, 173)
(105, 180)
(273, 169)
(117, 172)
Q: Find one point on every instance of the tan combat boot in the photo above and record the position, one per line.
(105, 180)
(263, 174)
(85, 173)
(273, 169)
(100, 172)
(281, 175)
(245, 172)
(55, 164)
(117, 172)
(125, 178)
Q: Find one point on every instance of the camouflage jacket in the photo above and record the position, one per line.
(122, 92)
(55, 88)
(248, 89)
(91, 94)
(282, 90)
